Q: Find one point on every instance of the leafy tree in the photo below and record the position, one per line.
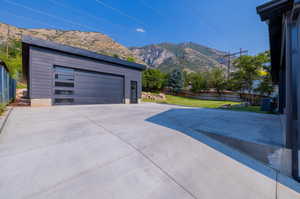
(247, 71)
(217, 79)
(176, 80)
(198, 82)
(153, 80)
(266, 86)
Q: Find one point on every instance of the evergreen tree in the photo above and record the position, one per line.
(176, 81)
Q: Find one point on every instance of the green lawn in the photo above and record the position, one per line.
(185, 101)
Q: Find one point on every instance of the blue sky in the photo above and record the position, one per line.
(226, 25)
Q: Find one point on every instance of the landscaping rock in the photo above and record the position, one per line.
(154, 96)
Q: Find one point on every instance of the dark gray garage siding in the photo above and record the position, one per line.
(94, 88)
(42, 60)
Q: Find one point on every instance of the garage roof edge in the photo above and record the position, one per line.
(2, 63)
(78, 51)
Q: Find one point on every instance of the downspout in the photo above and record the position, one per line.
(290, 133)
(288, 108)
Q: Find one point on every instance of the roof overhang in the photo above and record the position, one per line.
(273, 12)
(274, 8)
(28, 41)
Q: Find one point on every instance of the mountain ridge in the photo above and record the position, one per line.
(92, 41)
(188, 56)
(166, 56)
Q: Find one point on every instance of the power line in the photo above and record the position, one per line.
(121, 12)
(50, 15)
(36, 21)
(229, 55)
(86, 13)
(146, 4)
(53, 16)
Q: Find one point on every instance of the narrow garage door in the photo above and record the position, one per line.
(96, 88)
(80, 87)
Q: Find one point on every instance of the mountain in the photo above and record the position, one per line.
(93, 41)
(187, 56)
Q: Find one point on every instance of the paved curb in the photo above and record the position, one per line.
(6, 115)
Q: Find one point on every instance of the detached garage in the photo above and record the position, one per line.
(57, 74)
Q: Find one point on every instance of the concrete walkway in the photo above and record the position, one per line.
(126, 151)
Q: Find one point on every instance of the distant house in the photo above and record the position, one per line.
(282, 17)
(58, 74)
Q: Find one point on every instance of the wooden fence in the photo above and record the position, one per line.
(224, 96)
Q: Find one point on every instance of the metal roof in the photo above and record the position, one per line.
(78, 51)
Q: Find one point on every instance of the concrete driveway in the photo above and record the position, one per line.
(127, 152)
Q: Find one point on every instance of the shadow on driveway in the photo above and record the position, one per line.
(249, 138)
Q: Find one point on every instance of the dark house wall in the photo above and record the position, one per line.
(41, 70)
(284, 26)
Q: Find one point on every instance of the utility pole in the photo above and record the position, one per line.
(229, 56)
(7, 40)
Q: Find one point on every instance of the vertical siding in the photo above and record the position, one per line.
(41, 69)
(43, 60)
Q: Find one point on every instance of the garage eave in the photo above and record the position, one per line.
(28, 40)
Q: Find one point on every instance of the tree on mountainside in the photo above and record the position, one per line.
(176, 81)
(131, 59)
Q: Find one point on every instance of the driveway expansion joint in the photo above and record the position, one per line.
(145, 156)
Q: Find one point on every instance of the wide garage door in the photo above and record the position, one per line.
(81, 87)
(95, 88)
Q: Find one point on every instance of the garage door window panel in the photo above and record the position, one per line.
(64, 100)
(63, 85)
(64, 92)
(64, 77)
